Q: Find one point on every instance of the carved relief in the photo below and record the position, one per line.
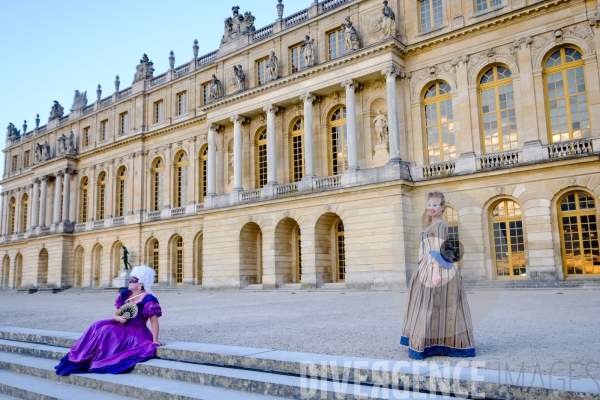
(430, 73)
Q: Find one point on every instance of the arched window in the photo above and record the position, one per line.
(451, 218)
(13, 210)
(261, 158)
(122, 192)
(181, 179)
(179, 261)
(340, 252)
(579, 234)
(497, 108)
(158, 184)
(509, 246)
(24, 204)
(339, 140)
(430, 14)
(154, 259)
(102, 181)
(85, 187)
(566, 97)
(439, 123)
(297, 150)
(203, 175)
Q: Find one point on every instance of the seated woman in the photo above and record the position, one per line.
(116, 345)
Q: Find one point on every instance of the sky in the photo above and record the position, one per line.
(49, 49)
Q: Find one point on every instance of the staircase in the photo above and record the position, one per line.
(202, 371)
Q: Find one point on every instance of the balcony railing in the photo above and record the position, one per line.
(263, 33)
(153, 215)
(199, 207)
(118, 221)
(106, 101)
(158, 80)
(328, 182)
(328, 5)
(184, 69)
(88, 110)
(124, 93)
(297, 18)
(440, 169)
(81, 227)
(286, 188)
(570, 149)
(207, 58)
(98, 224)
(250, 195)
(177, 212)
(499, 160)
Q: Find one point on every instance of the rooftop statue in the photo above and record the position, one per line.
(79, 101)
(144, 70)
(238, 25)
(350, 36)
(56, 111)
(215, 88)
(12, 132)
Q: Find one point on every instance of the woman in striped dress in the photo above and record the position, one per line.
(437, 319)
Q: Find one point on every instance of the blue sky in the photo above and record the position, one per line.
(50, 48)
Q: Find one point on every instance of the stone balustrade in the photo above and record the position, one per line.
(199, 207)
(158, 80)
(328, 182)
(286, 188)
(124, 93)
(153, 215)
(297, 18)
(182, 70)
(106, 101)
(118, 221)
(570, 149)
(262, 33)
(328, 5)
(178, 212)
(81, 227)
(499, 160)
(98, 224)
(439, 169)
(250, 195)
(207, 59)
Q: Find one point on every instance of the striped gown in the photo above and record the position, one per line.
(437, 319)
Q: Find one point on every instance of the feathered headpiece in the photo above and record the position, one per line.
(145, 275)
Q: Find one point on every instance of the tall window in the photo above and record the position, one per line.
(566, 97)
(261, 158)
(339, 140)
(579, 234)
(181, 103)
(179, 262)
(335, 44)
(203, 176)
(181, 176)
(102, 182)
(439, 123)
(158, 114)
(85, 187)
(86, 136)
(205, 93)
(15, 163)
(13, 210)
(509, 246)
(154, 259)
(103, 130)
(497, 107)
(122, 192)
(341, 252)
(481, 5)
(297, 150)
(26, 159)
(24, 203)
(430, 14)
(296, 59)
(451, 218)
(261, 71)
(123, 123)
(158, 184)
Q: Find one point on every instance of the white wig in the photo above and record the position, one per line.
(145, 275)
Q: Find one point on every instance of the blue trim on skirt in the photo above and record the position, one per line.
(436, 350)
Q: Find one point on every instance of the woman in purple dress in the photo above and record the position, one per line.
(116, 345)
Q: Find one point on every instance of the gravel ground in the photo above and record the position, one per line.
(517, 327)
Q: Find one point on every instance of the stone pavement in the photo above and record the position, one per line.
(542, 331)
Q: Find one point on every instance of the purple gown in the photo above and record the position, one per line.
(111, 347)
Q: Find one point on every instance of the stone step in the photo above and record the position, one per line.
(22, 386)
(126, 385)
(269, 362)
(291, 286)
(333, 286)
(254, 287)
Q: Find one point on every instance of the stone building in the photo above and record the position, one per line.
(303, 152)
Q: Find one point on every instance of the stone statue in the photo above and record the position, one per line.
(38, 153)
(144, 70)
(79, 101)
(56, 111)
(350, 36)
(12, 132)
(215, 88)
(125, 258)
(238, 25)
(273, 67)
(388, 21)
(381, 127)
(45, 151)
(239, 77)
(71, 142)
(62, 143)
(308, 51)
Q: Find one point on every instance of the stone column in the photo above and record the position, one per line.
(43, 194)
(271, 110)
(391, 73)
(237, 152)
(211, 166)
(67, 196)
(309, 137)
(29, 208)
(352, 144)
(464, 133)
(1, 214)
(57, 198)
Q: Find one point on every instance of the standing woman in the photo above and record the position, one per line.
(437, 319)
(116, 345)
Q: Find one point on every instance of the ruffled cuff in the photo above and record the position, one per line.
(444, 262)
(152, 308)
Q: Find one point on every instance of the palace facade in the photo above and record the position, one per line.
(303, 152)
